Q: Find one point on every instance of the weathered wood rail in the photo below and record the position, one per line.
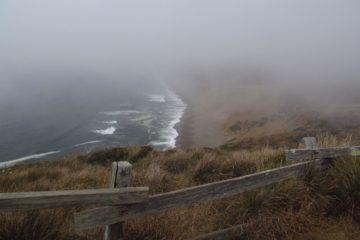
(61, 199)
(308, 154)
(312, 152)
(121, 202)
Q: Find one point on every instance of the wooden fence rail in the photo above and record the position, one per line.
(307, 154)
(312, 152)
(55, 199)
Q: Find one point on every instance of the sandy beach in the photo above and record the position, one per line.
(198, 126)
(185, 129)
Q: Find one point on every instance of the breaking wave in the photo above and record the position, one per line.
(110, 122)
(174, 112)
(108, 131)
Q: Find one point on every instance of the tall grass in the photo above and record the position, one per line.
(316, 206)
(35, 225)
(328, 140)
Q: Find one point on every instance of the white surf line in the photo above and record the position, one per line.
(110, 122)
(87, 143)
(14, 162)
(18, 161)
(169, 134)
(122, 112)
(156, 98)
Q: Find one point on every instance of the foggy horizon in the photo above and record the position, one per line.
(315, 41)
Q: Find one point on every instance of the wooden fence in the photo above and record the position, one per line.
(120, 202)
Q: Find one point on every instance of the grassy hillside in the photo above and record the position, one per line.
(286, 128)
(321, 205)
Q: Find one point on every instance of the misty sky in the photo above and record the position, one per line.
(300, 40)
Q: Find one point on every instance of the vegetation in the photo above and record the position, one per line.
(285, 129)
(321, 205)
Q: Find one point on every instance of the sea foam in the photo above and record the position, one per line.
(110, 122)
(168, 134)
(122, 112)
(108, 131)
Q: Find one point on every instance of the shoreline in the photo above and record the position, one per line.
(185, 129)
(184, 140)
(197, 127)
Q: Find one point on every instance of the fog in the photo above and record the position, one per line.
(303, 42)
(80, 74)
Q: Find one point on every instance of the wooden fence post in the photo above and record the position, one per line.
(311, 144)
(120, 177)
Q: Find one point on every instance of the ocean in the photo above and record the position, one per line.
(42, 120)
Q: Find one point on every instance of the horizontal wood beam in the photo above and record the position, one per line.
(58, 199)
(322, 153)
(224, 234)
(187, 197)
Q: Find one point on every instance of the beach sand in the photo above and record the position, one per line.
(185, 129)
(197, 128)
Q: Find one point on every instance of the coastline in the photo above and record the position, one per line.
(198, 126)
(185, 129)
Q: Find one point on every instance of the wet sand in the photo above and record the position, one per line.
(186, 131)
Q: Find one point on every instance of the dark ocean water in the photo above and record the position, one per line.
(46, 120)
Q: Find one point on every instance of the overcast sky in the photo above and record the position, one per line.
(296, 40)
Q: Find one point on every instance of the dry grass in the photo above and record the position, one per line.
(328, 140)
(322, 205)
